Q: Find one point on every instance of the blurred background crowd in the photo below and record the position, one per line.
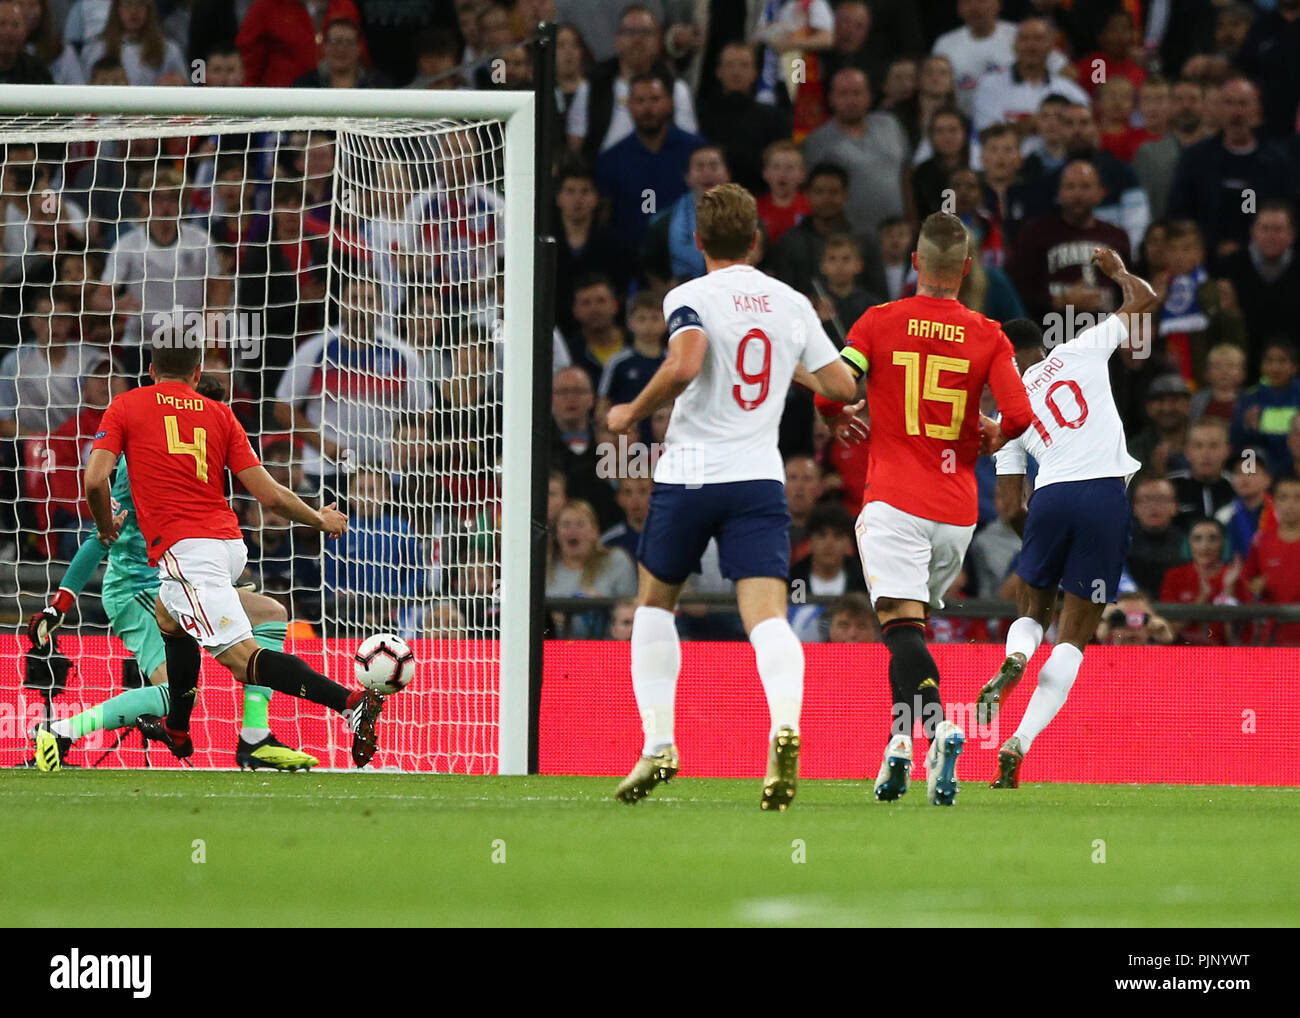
(1166, 129)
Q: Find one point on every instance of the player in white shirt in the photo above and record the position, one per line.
(1077, 531)
(736, 340)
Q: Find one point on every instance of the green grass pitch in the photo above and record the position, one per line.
(113, 848)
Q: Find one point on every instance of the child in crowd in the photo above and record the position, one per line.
(784, 205)
(1263, 412)
(839, 300)
(896, 253)
(627, 372)
(1225, 373)
(1193, 316)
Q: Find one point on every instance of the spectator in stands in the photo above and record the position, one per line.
(344, 389)
(852, 45)
(587, 246)
(1113, 59)
(797, 257)
(1268, 54)
(900, 88)
(784, 204)
(45, 41)
(281, 40)
(602, 112)
(831, 568)
(927, 182)
(669, 251)
(646, 171)
(18, 67)
(620, 619)
(1272, 569)
(1051, 262)
(1194, 314)
(1265, 275)
(1116, 104)
(627, 372)
(852, 620)
(986, 288)
(999, 190)
(895, 244)
(1209, 578)
(634, 500)
(1263, 413)
(341, 65)
(935, 91)
(165, 264)
(282, 457)
(984, 44)
(557, 493)
(803, 488)
(732, 118)
(466, 420)
(1212, 175)
(1155, 160)
(571, 59)
(871, 147)
(376, 568)
(1160, 445)
(597, 336)
(1046, 152)
(580, 566)
(840, 300)
(573, 442)
(994, 547)
(436, 56)
(1252, 509)
(1013, 94)
(1132, 623)
(1225, 373)
(1204, 487)
(1158, 542)
(134, 35)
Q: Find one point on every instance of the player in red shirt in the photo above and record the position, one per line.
(178, 446)
(926, 360)
(1272, 569)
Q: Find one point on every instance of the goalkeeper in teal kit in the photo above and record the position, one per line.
(129, 589)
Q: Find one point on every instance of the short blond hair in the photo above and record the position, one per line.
(726, 217)
(944, 244)
(160, 178)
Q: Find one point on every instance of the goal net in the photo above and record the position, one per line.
(364, 305)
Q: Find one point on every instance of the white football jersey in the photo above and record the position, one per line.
(724, 425)
(1077, 434)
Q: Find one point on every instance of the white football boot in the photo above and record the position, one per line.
(941, 764)
(895, 769)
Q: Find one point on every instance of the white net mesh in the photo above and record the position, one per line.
(346, 276)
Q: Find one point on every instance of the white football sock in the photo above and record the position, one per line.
(656, 660)
(1054, 682)
(780, 666)
(1023, 637)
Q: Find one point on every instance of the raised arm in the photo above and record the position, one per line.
(1138, 295)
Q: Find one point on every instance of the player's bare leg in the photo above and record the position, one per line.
(1024, 635)
(656, 661)
(1078, 623)
(779, 654)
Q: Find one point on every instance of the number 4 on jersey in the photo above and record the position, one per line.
(198, 448)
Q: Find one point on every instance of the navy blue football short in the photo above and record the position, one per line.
(750, 519)
(1077, 536)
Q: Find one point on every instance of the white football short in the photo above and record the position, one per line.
(198, 577)
(907, 557)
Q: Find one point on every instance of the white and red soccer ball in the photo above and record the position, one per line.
(385, 663)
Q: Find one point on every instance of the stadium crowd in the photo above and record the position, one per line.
(1048, 126)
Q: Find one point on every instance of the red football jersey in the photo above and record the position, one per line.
(927, 360)
(178, 445)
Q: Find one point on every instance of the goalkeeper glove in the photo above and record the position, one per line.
(49, 618)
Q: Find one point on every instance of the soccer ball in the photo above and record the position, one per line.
(385, 663)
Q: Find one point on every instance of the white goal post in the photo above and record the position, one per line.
(37, 113)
